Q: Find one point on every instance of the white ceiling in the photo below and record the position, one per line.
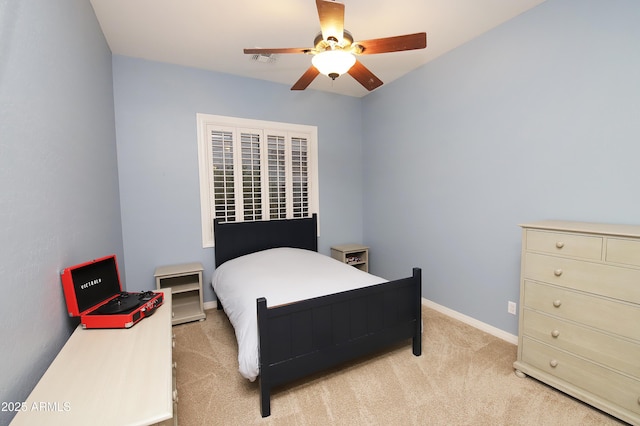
(210, 34)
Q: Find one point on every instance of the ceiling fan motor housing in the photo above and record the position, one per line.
(332, 43)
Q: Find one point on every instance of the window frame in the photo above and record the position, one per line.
(236, 126)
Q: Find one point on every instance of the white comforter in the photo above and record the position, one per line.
(281, 275)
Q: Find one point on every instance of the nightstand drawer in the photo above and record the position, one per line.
(617, 388)
(571, 245)
(597, 278)
(618, 353)
(604, 314)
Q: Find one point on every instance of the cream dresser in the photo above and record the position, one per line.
(580, 312)
(107, 377)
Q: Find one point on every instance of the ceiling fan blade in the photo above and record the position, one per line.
(331, 16)
(282, 50)
(306, 78)
(393, 44)
(364, 76)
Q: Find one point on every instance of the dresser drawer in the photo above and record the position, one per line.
(572, 245)
(597, 278)
(619, 354)
(624, 251)
(604, 314)
(614, 387)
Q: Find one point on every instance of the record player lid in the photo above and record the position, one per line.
(94, 282)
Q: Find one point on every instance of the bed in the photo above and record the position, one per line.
(297, 337)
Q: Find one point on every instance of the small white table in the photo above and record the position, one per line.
(108, 377)
(355, 255)
(185, 283)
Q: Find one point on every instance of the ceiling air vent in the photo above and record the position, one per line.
(265, 58)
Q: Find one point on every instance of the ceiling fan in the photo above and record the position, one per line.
(334, 52)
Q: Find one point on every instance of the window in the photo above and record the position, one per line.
(255, 170)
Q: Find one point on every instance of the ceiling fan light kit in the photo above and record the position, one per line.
(334, 52)
(333, 63)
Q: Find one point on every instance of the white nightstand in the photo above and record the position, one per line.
(356, 255)
(185, 283)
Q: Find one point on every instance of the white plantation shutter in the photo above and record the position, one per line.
(222, 192)
(276, 163)
(251, 176)
(299, 177)
(255, 170)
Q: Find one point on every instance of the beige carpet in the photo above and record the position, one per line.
(464, 377)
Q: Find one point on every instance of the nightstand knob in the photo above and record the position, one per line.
(553, 363)
(557, 272)
(557, 303)
(555, 333)
(559, 244)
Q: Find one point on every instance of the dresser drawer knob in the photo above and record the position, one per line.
(557, 303)
(553, 363)
(555, 333)
(557, 272)
(559, 244)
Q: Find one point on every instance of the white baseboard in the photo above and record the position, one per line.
(210, 305)
(501, 334)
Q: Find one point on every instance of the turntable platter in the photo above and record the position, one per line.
(124, 302)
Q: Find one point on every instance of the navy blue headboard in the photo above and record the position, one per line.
(234, 239)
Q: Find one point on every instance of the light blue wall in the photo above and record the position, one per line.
(537, 119)
(59, 200)
(156, 106)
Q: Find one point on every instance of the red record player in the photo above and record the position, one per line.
(93, 292)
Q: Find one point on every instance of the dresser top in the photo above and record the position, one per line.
(108, 377)
(585, 227)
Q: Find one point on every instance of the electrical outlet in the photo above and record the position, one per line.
(511, 307)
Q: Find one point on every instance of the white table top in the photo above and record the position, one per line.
(108, 377)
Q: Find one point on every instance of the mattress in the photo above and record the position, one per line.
(281, 275)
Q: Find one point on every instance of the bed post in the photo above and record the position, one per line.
(265, 387)
(417, 336)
